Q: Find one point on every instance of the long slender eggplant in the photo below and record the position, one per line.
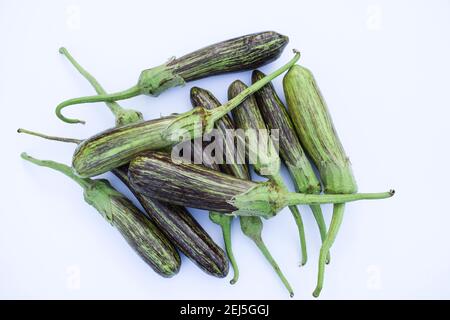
(155, 175)
(140, 233)
(250, 226)
(276, 116)
(248, 117)
(115, 147)
(316, 131)
(241, 53)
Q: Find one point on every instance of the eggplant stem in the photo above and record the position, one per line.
(293, 198)
(83, 182)
(226, 232)
(318, 216)
(122, 95)
(115, 108)
(44, 136)
(263, 248)
(298, 220)
(336, 221)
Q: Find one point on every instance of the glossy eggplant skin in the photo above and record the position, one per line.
(183, 230)
(242, 53)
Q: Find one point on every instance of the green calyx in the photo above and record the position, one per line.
(158, 79)
(266, 199)
(188, 126)
(99, 195)
(338, 178)
(262, 200)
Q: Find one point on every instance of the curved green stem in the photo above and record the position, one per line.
(318, 216)
(301, 232)
(219, 112)
(61, 139)
(224, 222)
(123, 116)
(263, 248)
(83, 182)
(292, 198)
(113, 106)
(226, 231)
(252, 228)
(132, 92)
(336, 221)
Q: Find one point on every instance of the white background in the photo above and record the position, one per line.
(383, 67)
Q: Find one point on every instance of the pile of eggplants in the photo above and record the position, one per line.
(140, 153)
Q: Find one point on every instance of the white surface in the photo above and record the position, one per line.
(383, 67)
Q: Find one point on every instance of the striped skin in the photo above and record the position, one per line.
(241, 53)
(182, 229)
(276, 116)
(248, 117)
(115, 147)
(204, 98)
(139, 232)
(154, 174)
